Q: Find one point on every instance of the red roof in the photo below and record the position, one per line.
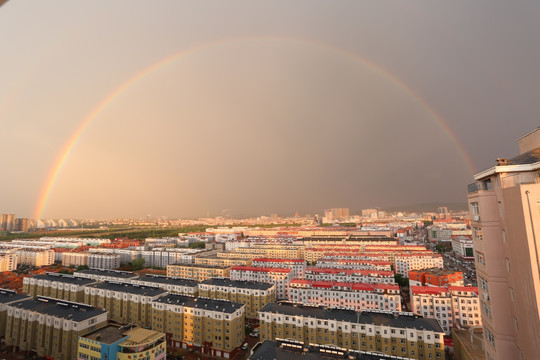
(352, 286)
(464, 288)
(428, 290)
(278, 260)
(260, 269)
(350, 271)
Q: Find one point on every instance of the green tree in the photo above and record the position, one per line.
(138, 264)
(198, 245)
(401, 280)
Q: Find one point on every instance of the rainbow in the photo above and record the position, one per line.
(70, 144)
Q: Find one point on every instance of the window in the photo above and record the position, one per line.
(490, 337)
(507, 264)
(480, 258)
(512, 293)
(504, 236)
(478, 233)
(475, 211)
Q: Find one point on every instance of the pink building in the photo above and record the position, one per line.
(504, 203)
(356, 296)
(280, 277)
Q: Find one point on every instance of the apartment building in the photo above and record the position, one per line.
(106, 275)
(8, 260)
(347, 275)
(435, 277)
(114, 342)
(58, 286)
(217, 261)
(278, 276)
(126, 303)
(162, 257)
(50, 327)
(462, 246)
(276, 251)
(103, 261)
(35, 257)
(197, 272)
(453, 306)
(355, 296)
(503, 204)
(404, 263)
(8, 297)
(254, 295)
(397, 334)
(336, 263)
(172, 285)
(74, 258)
(298, 266)
(214, 327)
(287, 349)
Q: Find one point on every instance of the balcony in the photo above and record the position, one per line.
(480, 185)
(520, 179)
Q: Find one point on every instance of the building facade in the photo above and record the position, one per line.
(398, 334)
(214, 327)
(50, 327)
(58, 286)
(254, 295)
(126, 303)
(197, 272)
(503, 205)
(280, 277)
(355, 296)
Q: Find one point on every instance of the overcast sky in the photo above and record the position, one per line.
(273, 106)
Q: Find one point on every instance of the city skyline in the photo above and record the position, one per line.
(181, 108)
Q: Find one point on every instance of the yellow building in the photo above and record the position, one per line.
(172, 285)
(35, 257)
(215, 327)
(197, 272)
(126, 303)
(254, 295)
(74, 258)
(8, 297)
(58, 286)
(120, 343)
(49, 326)
(396, 334)
(218, 261)
(8, 260)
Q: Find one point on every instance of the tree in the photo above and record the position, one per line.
(401, 280)
(197, 245)
(82, 267)
(138, 264)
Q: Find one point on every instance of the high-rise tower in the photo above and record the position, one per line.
(504, 203)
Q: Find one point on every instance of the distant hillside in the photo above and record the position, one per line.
(429, 207)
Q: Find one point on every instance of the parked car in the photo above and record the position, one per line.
(245, 346)
(254, 334)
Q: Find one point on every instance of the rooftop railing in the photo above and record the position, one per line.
(520, 179)
(480, 185)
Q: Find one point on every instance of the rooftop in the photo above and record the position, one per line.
(7, 296)
(159, 279)
(70, 279)
(139, 336)
(238, 283)
(107, 335)
(129, 288)
(291, 350)
(364, 317)
(279, 260)
(200, 303)
(114, 273)
(59, 308)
